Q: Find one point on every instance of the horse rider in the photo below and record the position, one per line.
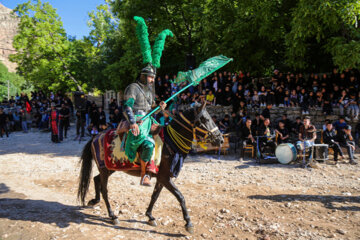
(139, 99)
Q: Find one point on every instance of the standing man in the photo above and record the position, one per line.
(64, 121)
(54, 118)
(3, 123)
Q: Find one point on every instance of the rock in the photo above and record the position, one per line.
(204, 235)
(124, 211)
(266, 237)
(342, 232)
(346, 193)
(224, 210)
(288, 204)
(8, 29)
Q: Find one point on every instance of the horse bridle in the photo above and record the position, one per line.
(193, 126)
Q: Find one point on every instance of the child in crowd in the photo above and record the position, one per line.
(294, 98)
(255, 100)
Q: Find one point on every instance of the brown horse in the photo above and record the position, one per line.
(196, 122)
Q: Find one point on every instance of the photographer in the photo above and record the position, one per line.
(80, 123)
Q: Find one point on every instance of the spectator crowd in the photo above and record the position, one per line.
(239, 90)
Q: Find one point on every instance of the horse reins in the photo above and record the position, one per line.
(178, 139)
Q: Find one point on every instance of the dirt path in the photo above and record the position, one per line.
(227, 199)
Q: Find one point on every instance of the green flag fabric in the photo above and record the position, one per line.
(205, 69)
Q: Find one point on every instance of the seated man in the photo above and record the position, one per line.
(307, 136)
(346, 140)
(283, 133)
(266, 141)
(329, 137)
(256, 124)
(246, 137)
(295, 129)
(224, 124)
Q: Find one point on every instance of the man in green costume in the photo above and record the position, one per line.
(139, 99)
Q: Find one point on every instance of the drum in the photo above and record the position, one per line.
(285, 153)
(321, 152)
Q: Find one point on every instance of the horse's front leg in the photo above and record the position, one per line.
(157, 189)
(176, 192)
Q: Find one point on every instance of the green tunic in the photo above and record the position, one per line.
(139, 98)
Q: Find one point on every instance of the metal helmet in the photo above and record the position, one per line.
(149, 70)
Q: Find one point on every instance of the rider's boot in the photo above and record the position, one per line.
(145, 179)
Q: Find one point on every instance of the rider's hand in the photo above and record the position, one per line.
(162, 105)
(135, 129)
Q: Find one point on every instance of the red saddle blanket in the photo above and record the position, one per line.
(101, 148)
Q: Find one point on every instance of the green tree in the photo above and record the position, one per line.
(16, 83)
(43, 50)
(324, 28)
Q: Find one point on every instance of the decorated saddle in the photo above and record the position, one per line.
(109, 151)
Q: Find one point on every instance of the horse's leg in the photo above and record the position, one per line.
(169, 184)
(97, 184)
(104, 177)
(157, 189)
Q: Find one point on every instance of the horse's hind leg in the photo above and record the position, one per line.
(169, 184)
(97, 184)
(157, 189)
(104, 177)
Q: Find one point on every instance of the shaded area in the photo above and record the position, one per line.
(40, 143)
(59, 214)
(252, 163)
(327, 200)
(4, 188)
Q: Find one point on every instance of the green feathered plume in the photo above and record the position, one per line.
(159, 46)
(143, 36)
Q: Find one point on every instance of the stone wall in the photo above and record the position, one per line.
(8, 28)
(317, 117)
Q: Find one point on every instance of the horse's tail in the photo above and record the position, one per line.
(85, 172)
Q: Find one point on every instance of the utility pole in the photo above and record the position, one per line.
(8, 89)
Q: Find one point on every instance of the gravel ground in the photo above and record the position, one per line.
(227, 199)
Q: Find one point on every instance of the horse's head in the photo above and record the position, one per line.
(206, 127)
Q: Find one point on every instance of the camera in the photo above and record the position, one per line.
(79, 100)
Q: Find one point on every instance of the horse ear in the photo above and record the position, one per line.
(202, 107)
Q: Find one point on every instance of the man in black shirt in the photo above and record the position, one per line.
(346, 140)
(80, 123)
(224, 124)
(329, 137)
(266, 112)
(267, 140)
(256, 124)
(287, 122)
(3, 123)
(246, 137)
(283, 133)
(64, 121)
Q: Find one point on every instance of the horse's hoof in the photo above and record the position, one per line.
(92, 203)
(190, 229)
(152, 223)
(116, 222)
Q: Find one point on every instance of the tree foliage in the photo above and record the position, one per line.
(16, 83)
(43, 50)
(302, 35)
